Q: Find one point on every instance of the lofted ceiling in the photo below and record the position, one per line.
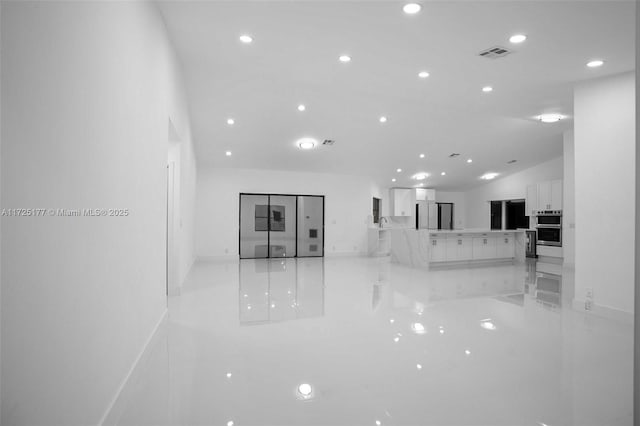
(293, 60)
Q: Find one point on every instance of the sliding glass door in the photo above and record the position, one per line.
(254, 226)
(282, 219)
(274, 225)
(310, 226)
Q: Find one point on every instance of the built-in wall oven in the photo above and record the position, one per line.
(549, 227)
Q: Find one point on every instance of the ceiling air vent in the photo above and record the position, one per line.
(495, 52)
(454, 155)
(328, 142)
(511, 161)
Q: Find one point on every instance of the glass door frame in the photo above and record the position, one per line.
(269, 195)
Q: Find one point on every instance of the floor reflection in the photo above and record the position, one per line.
(274, 290)
(381, 342)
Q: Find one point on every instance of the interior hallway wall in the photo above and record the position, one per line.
(87, 91)
(348, 206)
(604, 186)
(182, 153)
(636, 369)
(510, 187)
(569, 200)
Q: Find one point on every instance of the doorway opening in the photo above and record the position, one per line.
(445, 215)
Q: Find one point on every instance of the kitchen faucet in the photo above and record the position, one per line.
(380, 221)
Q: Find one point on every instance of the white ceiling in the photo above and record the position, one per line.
(294, 59)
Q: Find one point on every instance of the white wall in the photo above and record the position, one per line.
(459, 200)
(87, 91)
(604, 190)
(348, 206)
(507, 188)
(181, 152)
(636, 363)
(568, 201)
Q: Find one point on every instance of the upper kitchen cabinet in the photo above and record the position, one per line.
(531, 202)
(424, 194)
(544, 196)
(550, 195)
(402, 201)
(556, 195)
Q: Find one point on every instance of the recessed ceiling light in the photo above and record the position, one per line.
(418, 328)
(307, 143)
(517, 38)
(383, 119)
(420, 176)
(487, 89)
(301, 107)
(423, 74)
(488, 325)
(411, 8)
(345, 58)
(421, 184)
(421, 155)
(246, 39)
(489, 176)
(378, 423)
(230, 423)
(419, 366)
(228, 153)
(305, 390)
(467, 352)
(469, 160)
(228, 375)
(393, 180)
(595, 63)
(443, 173)
(550, 118)
(398, 170)
(230, 121)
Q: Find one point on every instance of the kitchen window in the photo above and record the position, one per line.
(376, 210)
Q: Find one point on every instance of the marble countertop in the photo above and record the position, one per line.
(472, 231)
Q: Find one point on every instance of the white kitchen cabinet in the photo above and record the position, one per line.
(459, 247)
(425, 194)
(484, 247)
(437, 249)
(402, 200)
(531, 202)
(544, 196)
(505, 245)
(556, 195)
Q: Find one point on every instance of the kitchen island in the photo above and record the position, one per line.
(427, 248)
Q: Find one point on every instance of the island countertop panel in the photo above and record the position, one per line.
(423, 248)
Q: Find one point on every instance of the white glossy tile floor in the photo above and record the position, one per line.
(380, 344)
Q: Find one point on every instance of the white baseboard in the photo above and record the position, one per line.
(223, 258)
(116, 406)
(346, 254)
(603, 311)
(227, 258)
